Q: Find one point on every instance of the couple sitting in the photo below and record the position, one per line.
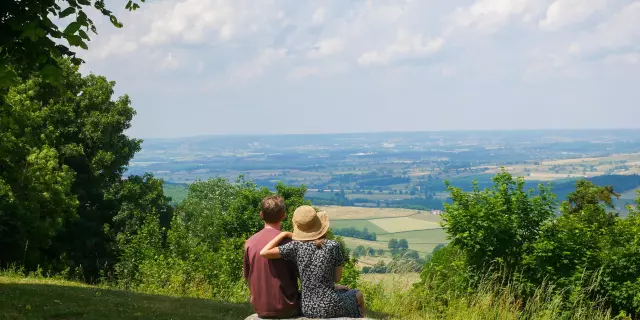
(274, 260)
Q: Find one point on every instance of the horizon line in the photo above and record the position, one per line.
(222, 135)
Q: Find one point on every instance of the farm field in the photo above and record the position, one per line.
(340, 212)
(422, 231)
(422, 241)
(351, 243)
(392, 225)
(358, 224)
(381, 196)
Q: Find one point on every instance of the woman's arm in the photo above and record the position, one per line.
(338, 274)
(271, 251)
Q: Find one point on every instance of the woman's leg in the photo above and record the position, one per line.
(361, 305)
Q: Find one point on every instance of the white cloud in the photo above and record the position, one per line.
(491, 15)
(170, 62)
(318, 15)
(115, 45)
(199, 21)
(257, 66)
(562, 13)
(250, 53)
(407, 45)
(327, 47)
(619, 31)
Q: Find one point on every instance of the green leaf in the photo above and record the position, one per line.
(75, 41)
(135, 6)
(84, 2)
(51, 73)
(76, 61)
(66, 12)
(7, 76)
(115, 22)
(42, 58)
(72, 28)
(83, 34)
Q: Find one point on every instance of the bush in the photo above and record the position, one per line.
(504, 238)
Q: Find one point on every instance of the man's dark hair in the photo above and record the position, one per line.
(272, 209)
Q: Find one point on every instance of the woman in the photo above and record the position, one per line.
(319, 263)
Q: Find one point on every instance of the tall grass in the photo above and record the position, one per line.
(491, 299)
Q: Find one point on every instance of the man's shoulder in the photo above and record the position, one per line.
(265, 234)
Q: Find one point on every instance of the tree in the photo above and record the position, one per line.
(359, 251)
(497, 224)
(393, 244)
(371, 252)
(412, 254)
(380, 252)
(379, 267)
(63, 151)
(439, 246)
(586, 240)
(28, 36)
(403, 244)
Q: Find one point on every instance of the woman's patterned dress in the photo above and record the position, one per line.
(317, 267)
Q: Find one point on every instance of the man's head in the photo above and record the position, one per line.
(272, 210)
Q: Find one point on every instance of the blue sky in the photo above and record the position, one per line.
(194, 67)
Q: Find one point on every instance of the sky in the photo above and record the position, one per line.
(200, 67)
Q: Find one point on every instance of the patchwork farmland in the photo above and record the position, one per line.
(421, 229)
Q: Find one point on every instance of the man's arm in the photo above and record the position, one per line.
(246, 264)
(271, 251)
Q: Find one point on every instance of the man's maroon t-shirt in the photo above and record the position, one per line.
(273, 283)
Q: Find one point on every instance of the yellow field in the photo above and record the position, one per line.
(428, 217)
(572, 168)
(620, 157)
(339, 212)
(404, 224)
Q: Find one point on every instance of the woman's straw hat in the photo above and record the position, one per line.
(309, 224)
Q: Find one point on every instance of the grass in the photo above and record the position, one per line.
(371, 261)
(421, 240)
(38, 298)
(391, 295)
(391, 281)
(388, 296)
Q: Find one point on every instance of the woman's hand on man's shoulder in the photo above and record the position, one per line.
(286, 234)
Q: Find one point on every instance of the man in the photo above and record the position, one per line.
(273, 283)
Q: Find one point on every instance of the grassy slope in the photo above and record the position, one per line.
(57, 300)
(49, 299)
